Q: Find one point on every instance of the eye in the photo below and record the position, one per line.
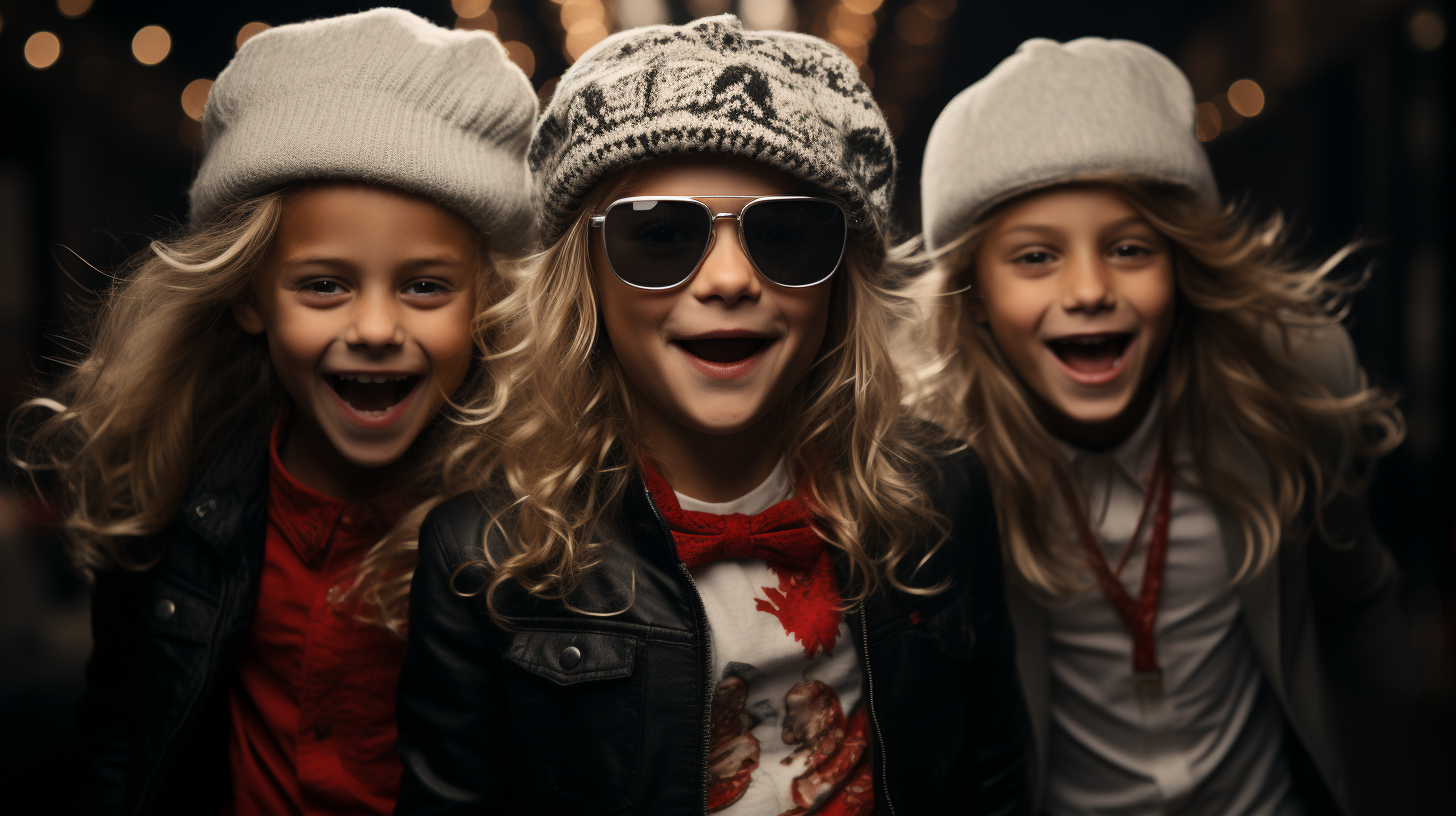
(1131, 251)
(1036, 257)
(323, 287)
(426, 288)
(663, 235)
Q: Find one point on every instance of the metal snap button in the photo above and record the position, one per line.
(203, 508)
(164, 610)
(570, 658)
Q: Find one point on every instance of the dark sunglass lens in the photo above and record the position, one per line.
(794, 243)
(655, 243)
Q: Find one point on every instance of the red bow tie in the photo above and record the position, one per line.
(779, 535)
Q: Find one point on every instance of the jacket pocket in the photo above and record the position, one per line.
(577, 706)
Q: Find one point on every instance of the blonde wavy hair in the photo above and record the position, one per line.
(167, 376)
(1242, 299)
(553, 444)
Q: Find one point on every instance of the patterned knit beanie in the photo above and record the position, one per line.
(791, 101)
(384, 97)
(1053, 113)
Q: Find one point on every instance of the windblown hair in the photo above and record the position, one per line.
(166, 378)
(553, 445)
(167, 375)
(1243, 304)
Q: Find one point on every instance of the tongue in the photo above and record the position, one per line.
(1089, 358)
(724, 349)
(369, 396)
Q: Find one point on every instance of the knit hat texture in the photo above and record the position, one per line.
(1053, 113)
(384, 97)
(789, 100)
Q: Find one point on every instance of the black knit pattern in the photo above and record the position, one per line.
(792, 101)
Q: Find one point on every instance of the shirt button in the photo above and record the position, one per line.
(346, 518)
(570, 658)
(322, 731)
(164, 610)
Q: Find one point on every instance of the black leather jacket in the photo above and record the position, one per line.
(496, 721)
(154, 717)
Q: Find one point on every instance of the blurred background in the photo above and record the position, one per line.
(1335, 112)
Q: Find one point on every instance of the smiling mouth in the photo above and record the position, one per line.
(1091, 353)
(372, 395)
(724, 350)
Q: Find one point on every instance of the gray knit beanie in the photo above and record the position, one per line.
(384, 97)
(791, 101)
(1053, 113)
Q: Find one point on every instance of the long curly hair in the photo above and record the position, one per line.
(1243, 302)
(166, 376)
(553, 444)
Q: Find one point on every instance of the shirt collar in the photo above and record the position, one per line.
(1134, 456)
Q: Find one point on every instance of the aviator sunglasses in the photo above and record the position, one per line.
(657, 242)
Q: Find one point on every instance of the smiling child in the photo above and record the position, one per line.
(241, 445)
(710, 564)
(1176, 426)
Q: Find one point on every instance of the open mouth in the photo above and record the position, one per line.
(724, 350)
(372, 395)
(1091, 353)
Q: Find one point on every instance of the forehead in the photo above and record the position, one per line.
(1072, 207)
(708, 175)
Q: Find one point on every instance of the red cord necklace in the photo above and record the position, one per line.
(1139, 618)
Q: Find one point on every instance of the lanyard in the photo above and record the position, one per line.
(1139, 617)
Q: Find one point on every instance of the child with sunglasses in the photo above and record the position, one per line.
(710, 565)
(1177, 427)
(242, 445)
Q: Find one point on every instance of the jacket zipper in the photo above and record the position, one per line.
(191, 704)
(702, 621)
(883, 783)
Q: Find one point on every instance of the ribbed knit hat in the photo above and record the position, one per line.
(384, 97)
(1053, 113)
(791, 101)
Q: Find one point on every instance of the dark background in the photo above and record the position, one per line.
(96, 153)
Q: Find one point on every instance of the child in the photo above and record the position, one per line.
(710, 565)
(247, 421)
(1173, 420)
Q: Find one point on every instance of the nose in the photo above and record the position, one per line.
(1087, 284)
(726, 273)
(376, 325)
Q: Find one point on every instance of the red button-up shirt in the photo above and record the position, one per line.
(312, 703)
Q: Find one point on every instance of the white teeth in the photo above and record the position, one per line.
(368, 378)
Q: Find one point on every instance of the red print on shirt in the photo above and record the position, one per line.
(732, 750)
(806, 603)
(814, 720)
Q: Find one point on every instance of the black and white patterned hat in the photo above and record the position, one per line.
(789, 100)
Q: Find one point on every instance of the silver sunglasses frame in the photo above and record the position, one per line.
(599, 222)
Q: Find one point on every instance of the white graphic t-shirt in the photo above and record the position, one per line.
(789, 733)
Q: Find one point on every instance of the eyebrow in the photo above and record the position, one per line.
(412, 263)
(1048, 229)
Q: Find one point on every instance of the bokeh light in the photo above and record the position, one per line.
(862, 6)
(470, 8)
(916, 27)
(42, 49)
(73, 8)
(1209, 122)
(634, 13)
(768, 15)
(522, 55)
(194, 97)
(151, 45)
(1246, 97)
(251, 30)
(1428, 29)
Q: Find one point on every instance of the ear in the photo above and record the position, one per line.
(976, 306)
(245, 311)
